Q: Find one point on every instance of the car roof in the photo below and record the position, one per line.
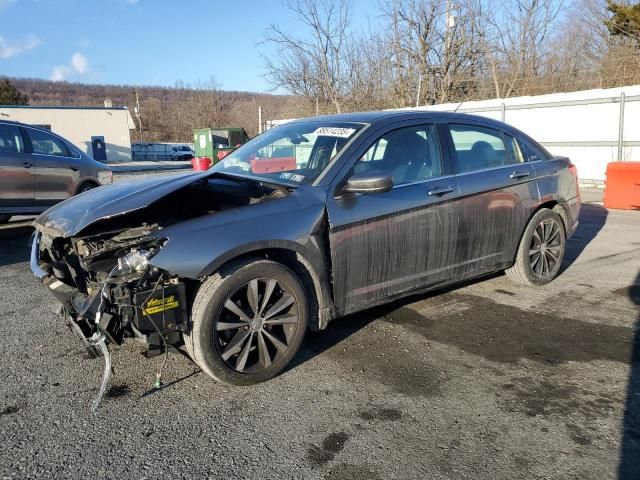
(383, 116)
(22, 124)
(11, 122)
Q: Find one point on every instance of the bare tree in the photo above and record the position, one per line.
(517, 42)
(435, 48)
(317, 64)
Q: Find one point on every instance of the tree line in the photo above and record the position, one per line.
(166, 114)
(422, 52)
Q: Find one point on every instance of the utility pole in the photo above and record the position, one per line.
(450, 22)
(259, 119)
(419, 88)
(138, 115)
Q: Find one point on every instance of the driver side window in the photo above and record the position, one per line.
(408, 155)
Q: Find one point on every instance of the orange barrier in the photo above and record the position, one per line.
(622, 188)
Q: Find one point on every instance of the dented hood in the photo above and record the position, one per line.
(75, 214)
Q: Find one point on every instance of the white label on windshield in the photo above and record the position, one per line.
(292, 176)
(335, 132)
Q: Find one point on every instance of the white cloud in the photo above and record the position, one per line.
(8, 50)
(60, 73)
(80, 63)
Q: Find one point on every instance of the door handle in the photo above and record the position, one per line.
(27, 164)
(440, 191)
(75, 169)
(516, 175)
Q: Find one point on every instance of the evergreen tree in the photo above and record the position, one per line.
(10, 95)
(625, 20)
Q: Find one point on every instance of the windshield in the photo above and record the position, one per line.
(291, 153)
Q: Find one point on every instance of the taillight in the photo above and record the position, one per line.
(574, 171)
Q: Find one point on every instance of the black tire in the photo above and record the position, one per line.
(270, 339)
(4, 218)
(541, 250)
(85, 187)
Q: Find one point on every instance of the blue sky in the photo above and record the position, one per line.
(144, 42)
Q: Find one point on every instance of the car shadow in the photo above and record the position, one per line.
(592, 219)
(340, 329)
(14, 244)
(629, 467)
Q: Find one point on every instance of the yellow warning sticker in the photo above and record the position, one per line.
(156, 305)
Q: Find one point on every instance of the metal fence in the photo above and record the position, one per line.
(600, 127)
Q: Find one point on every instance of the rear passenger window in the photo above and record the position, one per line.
(515, 154)
(478, 148)
(10, 140)
(533, 152)
(46, 144)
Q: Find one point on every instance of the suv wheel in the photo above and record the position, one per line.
(85, 187)
(541, 250)
(248, 322)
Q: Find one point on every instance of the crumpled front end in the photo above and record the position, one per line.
(107, 288)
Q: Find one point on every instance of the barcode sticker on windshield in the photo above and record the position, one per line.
(335, 132)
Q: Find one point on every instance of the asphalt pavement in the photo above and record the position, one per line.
(489, 380)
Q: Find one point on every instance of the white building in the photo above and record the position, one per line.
(85, 127)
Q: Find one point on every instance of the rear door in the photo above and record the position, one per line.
(383, 244)
(497, 194)
(57, 167)
(16, 169)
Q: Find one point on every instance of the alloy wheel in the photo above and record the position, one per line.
(546, 248)
(256, 325)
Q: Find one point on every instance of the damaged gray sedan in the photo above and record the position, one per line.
(308, 222)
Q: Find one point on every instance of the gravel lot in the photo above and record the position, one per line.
(490, 380)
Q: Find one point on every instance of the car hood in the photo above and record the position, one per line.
(75, 214)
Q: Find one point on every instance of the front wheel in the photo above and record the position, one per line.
(541, 250)
(248, 322)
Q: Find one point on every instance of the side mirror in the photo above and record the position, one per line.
(368, 183)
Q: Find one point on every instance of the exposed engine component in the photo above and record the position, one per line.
(135, 261)
(102, 274)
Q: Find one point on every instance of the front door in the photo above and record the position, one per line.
(16, 170)
(384, 244)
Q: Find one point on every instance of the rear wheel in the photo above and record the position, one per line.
(248, 322)
(541, 250)
(4, 218)
(85, 187)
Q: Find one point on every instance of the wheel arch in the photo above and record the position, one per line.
(86, 181)
(290, 255)
(553, 205)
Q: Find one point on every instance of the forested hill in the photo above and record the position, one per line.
(168, 113)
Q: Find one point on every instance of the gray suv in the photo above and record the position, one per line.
(39, 169)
